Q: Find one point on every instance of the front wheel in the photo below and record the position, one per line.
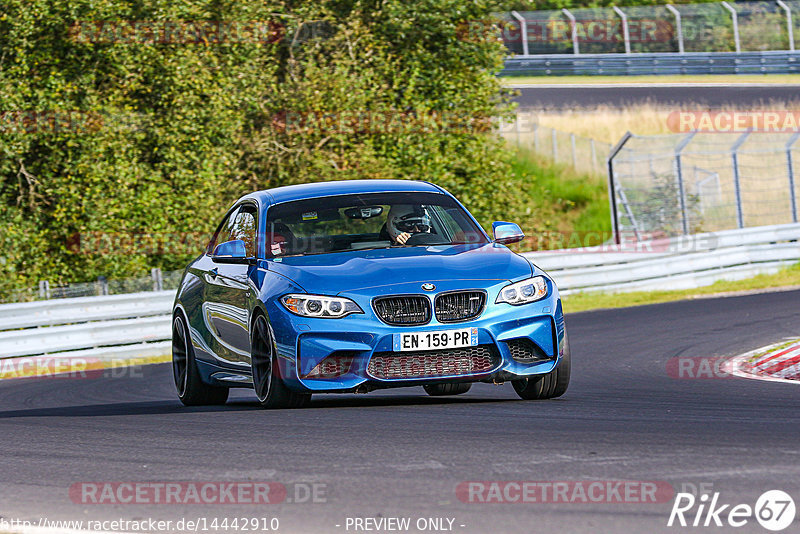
(192, 391)
(270, 389)
(548, 386)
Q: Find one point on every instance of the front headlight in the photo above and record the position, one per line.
(523, 292)
(320, 306)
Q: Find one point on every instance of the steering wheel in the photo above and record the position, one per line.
(423, 239)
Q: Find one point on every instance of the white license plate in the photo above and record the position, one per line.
(435, 340)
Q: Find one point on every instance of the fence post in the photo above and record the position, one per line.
(736, 179)
(681, 187)
(536, 137)
(517, 129)
(735, 19)
(790, 168)
(523, 25)
(574, 151)
(573, 22)
(555, 143)
(612, 186)
(158, 279)
(789, 23)
(626, 32)
(103, 285)
(44, 289)
(678, 27)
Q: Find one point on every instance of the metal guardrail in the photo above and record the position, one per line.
(84, 309)
(664, 63)
(105, 327)
(138, 324)
(677, 263)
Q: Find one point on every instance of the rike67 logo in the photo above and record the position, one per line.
(774, 510)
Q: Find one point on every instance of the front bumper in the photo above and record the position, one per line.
(305, 342)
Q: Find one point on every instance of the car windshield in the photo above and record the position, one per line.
(368, 221)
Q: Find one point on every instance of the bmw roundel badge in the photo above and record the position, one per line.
(428, 286)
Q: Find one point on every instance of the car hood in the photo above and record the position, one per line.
(354, 270)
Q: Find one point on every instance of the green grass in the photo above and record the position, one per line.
(570, 201)
(622, 80)
(787, 277)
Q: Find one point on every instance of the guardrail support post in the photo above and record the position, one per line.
(735, 19)
(573, 22)
(790, 168)
(678, 27)
(103, 285)
(736, 178)
(681, 187)
(44, 289)
(789, 26)
(158, 279)
(523, 26)
(612, 186)
(626, 32)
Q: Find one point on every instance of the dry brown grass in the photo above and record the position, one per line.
(608, 124)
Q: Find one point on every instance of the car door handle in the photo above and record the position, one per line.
(213, 272)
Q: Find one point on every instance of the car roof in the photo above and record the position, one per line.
(342, 187)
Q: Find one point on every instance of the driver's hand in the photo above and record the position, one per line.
(402, 238)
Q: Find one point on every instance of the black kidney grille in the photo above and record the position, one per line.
(403, 310)
(459, 306)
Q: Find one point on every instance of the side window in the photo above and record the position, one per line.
(223, 234)
(244, 228)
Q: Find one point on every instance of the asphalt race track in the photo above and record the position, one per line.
(403, 453)
(667, 95)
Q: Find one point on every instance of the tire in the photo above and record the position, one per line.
(267, 383)
(549, 386)
(192, 391)
(440, 390)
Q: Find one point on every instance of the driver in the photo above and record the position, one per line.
(405, 220)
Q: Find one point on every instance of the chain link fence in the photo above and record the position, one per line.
(704, 182)
(157, 281)
(706, 27)
(583, 154)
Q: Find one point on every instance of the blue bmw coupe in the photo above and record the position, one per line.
(359, 285)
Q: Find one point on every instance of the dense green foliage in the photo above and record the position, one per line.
(168, 134)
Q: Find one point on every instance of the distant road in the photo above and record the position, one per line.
(708, 95)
